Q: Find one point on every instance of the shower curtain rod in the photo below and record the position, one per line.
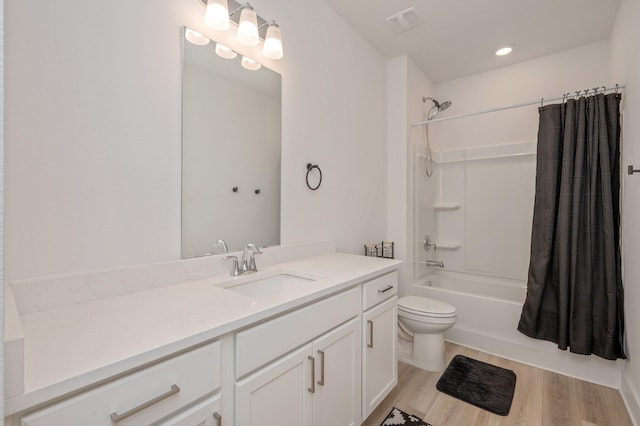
(537, 101)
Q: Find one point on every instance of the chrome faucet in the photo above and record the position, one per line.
(223, 244)
(248, 258)
(438, 263)
(248, 262)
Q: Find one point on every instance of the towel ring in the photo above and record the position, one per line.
(309, 168)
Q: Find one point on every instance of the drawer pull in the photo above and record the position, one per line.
(115, 417)
(384, 290)
(312, 389)
(370, 344)
(218, 418)
(321, 381)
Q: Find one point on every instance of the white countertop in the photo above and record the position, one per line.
(75, 346)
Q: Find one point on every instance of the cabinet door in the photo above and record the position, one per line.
(207, 413)
(279, 394)
(336, 401)
(379, 354)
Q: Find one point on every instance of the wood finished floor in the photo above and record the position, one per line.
(541, 398)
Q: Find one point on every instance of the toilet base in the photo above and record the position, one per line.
(428, 352)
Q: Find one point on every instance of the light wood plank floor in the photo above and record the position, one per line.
(541, 398)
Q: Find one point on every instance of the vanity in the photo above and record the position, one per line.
(310, 339)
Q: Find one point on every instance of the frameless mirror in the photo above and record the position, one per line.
(230, 153)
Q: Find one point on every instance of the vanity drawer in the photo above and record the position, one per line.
(158, 391)
(258, 345)
(379, 289)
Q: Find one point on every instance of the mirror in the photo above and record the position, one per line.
(230, 153)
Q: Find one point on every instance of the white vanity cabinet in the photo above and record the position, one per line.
(316, 384)
(145, 397)
(379, 340)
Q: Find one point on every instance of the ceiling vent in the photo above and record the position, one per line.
(405, 20)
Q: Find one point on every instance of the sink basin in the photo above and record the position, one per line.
(273, 285)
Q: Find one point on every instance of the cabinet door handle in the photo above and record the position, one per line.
(312, 389)
(218, 418)
(115, 417)
(386, 289)
(321, 381)
(370, 344)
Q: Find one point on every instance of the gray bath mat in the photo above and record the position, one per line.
(397, 417)
(484, 385)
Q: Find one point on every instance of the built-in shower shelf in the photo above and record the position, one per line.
(447, 245)
(446, 206)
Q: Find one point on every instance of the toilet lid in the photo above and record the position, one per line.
(424, 305)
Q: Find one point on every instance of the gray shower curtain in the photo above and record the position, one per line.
(574, 288)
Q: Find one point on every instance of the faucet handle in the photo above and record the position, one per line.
(255, 249)
(251, 266)
(234, 266)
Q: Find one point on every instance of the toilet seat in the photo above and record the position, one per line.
(423, 306)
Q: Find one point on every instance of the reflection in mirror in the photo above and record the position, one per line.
(230, 153)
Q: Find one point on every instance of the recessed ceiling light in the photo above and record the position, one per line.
(504, 51)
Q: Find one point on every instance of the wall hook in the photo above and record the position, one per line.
(234, 189)
(631, 170)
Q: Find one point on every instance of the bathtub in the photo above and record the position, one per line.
(488, 311)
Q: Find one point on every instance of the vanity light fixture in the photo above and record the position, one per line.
(216, 15)
(251, 27)
(250, 64)
(195, 37)
(248, 26)
(273, 41)
(504, 51)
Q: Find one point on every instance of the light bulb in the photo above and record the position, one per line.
(273, 42)
(224, 52)
(248, 27)
(216, 15)
(195, 37)
(504, 51)
(250, 64)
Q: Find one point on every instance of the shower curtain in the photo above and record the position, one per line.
(574, 289)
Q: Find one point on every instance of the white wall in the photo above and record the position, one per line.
(406, 85)
(549, 76)
(93, 131)
(219, 153)
(334, 116)
(626, 69)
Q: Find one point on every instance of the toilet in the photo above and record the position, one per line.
(426, 319)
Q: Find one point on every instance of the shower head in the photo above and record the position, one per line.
(444, 105)
(437, 107)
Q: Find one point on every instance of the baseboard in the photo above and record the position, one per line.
(543, 355)
(631, 400)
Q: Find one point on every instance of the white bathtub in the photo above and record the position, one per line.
(488, 311)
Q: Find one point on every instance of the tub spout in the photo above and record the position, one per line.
(438, 263)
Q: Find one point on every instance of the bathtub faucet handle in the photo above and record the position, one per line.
(428, 243)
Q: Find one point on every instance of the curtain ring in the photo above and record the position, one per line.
(541, 102)
(616, 88)
(309, 168)
(577, 94)
(604, 90)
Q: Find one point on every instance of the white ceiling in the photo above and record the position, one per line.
(459, 37)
